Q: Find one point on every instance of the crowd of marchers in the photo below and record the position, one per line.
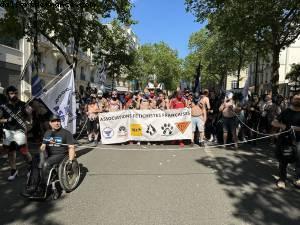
(223, 118)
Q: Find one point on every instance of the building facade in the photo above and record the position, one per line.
(288, 56)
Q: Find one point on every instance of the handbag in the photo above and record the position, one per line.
(287, 147)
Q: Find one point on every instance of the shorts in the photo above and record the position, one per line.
(93, 125)
(17, 136)
(197, 122)
(229, 124)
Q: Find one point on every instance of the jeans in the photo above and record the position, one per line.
(283, 166)
(48, 164)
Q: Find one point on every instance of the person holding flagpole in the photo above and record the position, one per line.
(14, 115)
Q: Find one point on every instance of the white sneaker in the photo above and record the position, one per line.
(13, 176)
(211, 138)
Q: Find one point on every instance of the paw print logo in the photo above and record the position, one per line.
(167, 129)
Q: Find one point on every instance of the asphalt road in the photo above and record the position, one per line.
(162, 185)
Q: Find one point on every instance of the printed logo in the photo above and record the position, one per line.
(151, 130)
(182, 126)
(122, 132)
(167, 129)
(136, 130)
(108, 133)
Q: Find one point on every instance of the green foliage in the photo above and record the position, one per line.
(216, 57)
(73, 23)
(294, 73)
(268, 26)
(117, 49)
(157, 59)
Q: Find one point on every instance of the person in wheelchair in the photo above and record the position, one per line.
(57, 144)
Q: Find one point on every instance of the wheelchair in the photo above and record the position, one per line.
(60, 179)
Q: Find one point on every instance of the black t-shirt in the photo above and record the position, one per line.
(19, 110)
(290, 118)
(62, 138)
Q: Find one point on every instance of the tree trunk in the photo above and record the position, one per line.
(275, 69)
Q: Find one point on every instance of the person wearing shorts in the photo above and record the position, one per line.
(198, 119)
(228, 109)
(13, 116)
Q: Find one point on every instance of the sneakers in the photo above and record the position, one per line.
(13, 175)
(211, 138)
(138, 143)
(280, 184)
(181, 144)
(297, 183)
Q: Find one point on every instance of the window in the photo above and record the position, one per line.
(58, 66)
(82, 75)
(234, 84)
(9, 41)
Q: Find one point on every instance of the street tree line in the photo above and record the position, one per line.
(73, 23)
(238, 31)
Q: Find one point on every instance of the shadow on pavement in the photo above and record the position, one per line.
(83, 171)
(18, 210)
(83, 151)
(247, 179)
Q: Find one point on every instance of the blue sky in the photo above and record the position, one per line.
(164, 20)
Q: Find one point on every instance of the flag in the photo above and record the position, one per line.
(60, 99)
(246, 89)
(25, 80)
(36, 84)
(101, 73)
(197, 86)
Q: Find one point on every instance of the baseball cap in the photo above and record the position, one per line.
(54, 117)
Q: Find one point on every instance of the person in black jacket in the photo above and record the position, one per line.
(290, 118)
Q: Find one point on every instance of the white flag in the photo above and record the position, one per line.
(60, 99)
(246, 89)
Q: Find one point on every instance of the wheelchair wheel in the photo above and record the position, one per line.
(69, 179)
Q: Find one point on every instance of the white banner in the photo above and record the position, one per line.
(145, 125)
(60, 99)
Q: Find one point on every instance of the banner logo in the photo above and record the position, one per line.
(151, 130)
(108, 133)
(136, 130)
(122, 132)
(167, 129)
(182, 126)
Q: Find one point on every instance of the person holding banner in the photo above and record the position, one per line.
(198, 119)
(92, 110)
(14, 115)
(178, 103)
(114, 104)
(162, 102)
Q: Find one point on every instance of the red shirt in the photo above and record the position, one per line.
(176, 104)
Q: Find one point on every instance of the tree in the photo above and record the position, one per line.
(73, 23)
(157, 60)
(217, 59)
(272, 24)
(117, 50)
